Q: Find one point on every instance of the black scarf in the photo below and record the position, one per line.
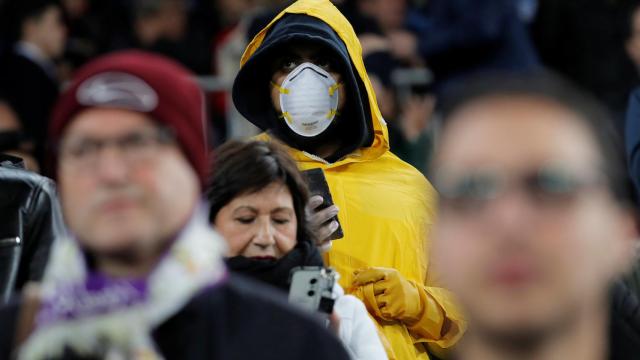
(276, 272)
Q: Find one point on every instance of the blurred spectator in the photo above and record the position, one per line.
(462, 37)
(386, 25)
(408, 123)
(142, 276)
(258, 200)
(228, 46)
(389, 15)
(13, 140)
(527, 10)
(164, 27)
(28, 77)
(535, 224)
(31, 220)
(584, 40)
(84, 36)
(303, 82)
(632, 44)
(263, 18)
(456, 38)
(159, 20)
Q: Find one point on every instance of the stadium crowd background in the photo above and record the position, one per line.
(413, 50)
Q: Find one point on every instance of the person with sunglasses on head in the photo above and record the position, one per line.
(535, 222)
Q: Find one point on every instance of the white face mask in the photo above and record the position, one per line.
(309, 99)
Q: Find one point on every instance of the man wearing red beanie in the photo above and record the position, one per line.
(141, 275)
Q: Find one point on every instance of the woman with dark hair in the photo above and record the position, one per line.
(258, 200)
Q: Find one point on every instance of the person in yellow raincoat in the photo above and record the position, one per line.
(302, 80)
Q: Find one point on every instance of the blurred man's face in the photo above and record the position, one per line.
(528, 235)
(47, 31)
(125, 185)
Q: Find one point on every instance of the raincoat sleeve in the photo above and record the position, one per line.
(440, 325)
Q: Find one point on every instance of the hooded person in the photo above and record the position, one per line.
(303, 82)
(141, 275)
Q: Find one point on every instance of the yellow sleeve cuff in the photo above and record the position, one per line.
(440, 322)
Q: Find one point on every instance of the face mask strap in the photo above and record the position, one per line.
(332, 114)
(280, 88)
(333, 88)
(285, 115)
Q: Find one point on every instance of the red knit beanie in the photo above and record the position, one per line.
(142, 82)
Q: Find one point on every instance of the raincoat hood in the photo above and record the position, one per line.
(317, 21)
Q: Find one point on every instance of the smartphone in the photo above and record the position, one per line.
(317, 184)
(312, 288)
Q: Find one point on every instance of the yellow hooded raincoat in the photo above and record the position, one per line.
(386, 208)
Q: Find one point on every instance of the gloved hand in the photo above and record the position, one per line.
(319, 222)
(395, 297)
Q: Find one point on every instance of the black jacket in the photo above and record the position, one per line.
(237, 320)
(31, 220)
(624, 328)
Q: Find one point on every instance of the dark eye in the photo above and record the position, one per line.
(469, 192)
(288, 64)
(281, 221)
(136, 141)
(474, 187)
(326, 63)
(82, 148)
(553, 183)
(245, 220)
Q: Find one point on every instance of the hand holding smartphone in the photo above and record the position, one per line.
(317, 184)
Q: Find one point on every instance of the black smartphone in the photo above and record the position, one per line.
(317, 184)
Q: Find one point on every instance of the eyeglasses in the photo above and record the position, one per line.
(548, 187)
(135, 148)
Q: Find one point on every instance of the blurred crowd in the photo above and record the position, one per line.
(413, 50)
(481, 160)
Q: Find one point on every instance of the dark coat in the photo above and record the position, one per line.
(237, 320)
(624, 328)
(31, 220)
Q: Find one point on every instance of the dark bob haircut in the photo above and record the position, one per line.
(554, 89)
(245, 167)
